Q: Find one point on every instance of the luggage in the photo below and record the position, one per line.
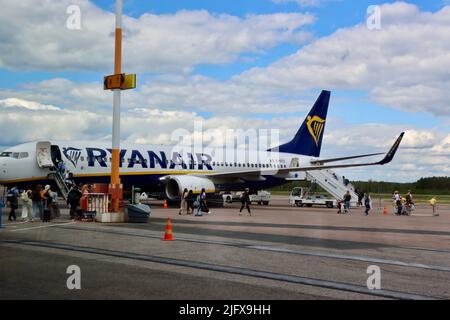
(89, 216)
(47, 215)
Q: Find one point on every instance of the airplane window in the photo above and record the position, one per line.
(5, 154)
(23, 155)
(15, 155)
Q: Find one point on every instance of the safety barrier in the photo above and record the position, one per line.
(98, 202)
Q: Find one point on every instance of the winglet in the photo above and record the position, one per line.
(390, 155)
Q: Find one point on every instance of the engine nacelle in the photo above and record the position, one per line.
(176, 184)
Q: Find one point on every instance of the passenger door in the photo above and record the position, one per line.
(43, 154)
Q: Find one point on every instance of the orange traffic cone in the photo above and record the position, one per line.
(165, 204)
(385, 211)
(168, 236)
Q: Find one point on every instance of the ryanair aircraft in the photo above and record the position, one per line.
(170, 169)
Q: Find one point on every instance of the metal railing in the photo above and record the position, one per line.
(97, 202)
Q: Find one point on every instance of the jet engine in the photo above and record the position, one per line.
(176, 184)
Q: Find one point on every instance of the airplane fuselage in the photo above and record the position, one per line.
(143, 165)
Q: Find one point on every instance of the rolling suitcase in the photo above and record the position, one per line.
(47, 215)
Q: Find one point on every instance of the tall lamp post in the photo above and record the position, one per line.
(117, 82)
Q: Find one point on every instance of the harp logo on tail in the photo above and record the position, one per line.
(72, 154)
(315, 127)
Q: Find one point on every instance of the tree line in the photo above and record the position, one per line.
(429, 185)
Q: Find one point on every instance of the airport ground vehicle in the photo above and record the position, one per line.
(262, 197)
(306, 197)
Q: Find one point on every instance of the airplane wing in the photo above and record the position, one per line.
(322, 161)
(316, 165)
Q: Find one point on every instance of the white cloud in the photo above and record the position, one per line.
(404, 65)
(25, 104)
(34, 36)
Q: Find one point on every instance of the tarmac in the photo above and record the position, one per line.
(280, 252)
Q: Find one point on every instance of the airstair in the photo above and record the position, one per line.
(60, 182)
(333, 183)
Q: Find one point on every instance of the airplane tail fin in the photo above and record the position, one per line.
(308, 139)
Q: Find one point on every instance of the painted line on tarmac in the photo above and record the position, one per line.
(282, 250)
(44, 226)
(12, 224)
(354, 258)
(333, 285)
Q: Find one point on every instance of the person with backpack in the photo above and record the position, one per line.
(190, 202)
(183, 204)
(27, 205)
(48, 205)
(367, 203)
(347, 198)
(38, 203)
(2, 205)
(245, 201)
(13, 200)
(73, 200)
(202, 204)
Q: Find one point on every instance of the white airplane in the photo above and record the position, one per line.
(159, 168)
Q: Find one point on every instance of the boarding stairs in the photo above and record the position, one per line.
(333, 184)
(60, 182)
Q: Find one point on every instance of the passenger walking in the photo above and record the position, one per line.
(2, 205)
(360, 197)
(398, 203)
(38, 206)
(27, 205)
(85, 190)
(409, 203)
(13, 199)
(183, 204)
(61, 168)
(190, 202)
(69, 179)
(347, 198)
(202, 204)
(245, 200)
(367, 203)
(73, 200)
(433, 203)
(51, 202)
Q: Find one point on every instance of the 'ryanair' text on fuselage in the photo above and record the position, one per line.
(149, 159)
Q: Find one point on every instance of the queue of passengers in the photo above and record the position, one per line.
(39, 202)
(190, 203)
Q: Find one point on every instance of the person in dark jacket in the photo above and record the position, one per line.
(347, 198)
(367, 204)
(190, 202)
(245, 200)
(13, 199)
(38, 203)
(73, 200)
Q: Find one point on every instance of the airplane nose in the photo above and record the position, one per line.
(3, 169)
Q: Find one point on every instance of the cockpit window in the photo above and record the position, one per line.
(14, 155)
